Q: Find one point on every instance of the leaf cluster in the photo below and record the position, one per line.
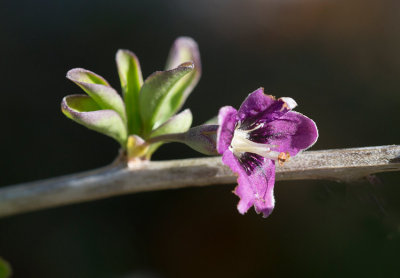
(145, 109)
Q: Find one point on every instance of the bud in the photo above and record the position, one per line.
(136, 147)
(202, 138)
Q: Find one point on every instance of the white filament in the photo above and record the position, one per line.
(241, 144)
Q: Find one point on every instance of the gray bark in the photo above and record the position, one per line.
(344, 165)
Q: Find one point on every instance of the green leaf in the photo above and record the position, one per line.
(131, 79)
(5, 269)
(99, 90)
(176, 124)
(212, 121)
(184, 49)
(85, 111)
(155, 94)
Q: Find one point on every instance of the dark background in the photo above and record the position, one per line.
(339, 59)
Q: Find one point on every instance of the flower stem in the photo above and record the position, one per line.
(168, 138)
(200, 138)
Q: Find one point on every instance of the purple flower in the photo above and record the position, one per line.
(251, 140)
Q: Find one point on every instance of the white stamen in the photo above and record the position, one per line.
(241, 144)
(256, 127)
(291, 103)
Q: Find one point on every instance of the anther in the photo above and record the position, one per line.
(283, 157)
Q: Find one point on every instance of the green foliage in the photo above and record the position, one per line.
(212, 121)
(184, 49)
(5, 269)
(86, 111)
(176, 124)
(147, 108)
(131, 79)
(99, 90)
(156, 94)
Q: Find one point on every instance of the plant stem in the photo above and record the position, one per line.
(344, 165)
(167, 138)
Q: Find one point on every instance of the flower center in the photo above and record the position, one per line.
(241, 144)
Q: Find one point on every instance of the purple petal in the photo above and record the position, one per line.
(293, 132)
(260, 108)
(227, 122)
(255, 187)
(255, 103)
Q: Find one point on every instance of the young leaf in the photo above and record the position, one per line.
(212, 121)
(131, 79)
(155, 93)
(176, 124)
(99, 90)
(184, 49)
(85, 111)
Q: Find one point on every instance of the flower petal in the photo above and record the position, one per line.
(227, 122)
(259, 108)
(293, 132)
(255, 103)
(256, 178)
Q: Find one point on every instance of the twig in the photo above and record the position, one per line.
(341, 165)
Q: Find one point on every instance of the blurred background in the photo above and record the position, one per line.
(339, 59)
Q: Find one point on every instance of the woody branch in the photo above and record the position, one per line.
(343, 165)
